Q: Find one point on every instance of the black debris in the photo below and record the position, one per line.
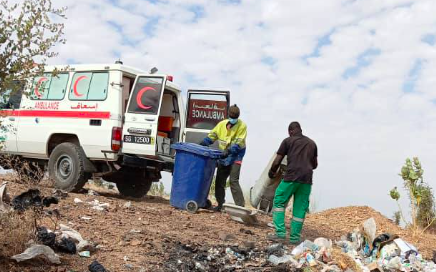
(47, 201)
(46, 238)
(96, 267)
(66, 246)
(246, 231)
(27, 199)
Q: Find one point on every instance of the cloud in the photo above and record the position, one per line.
(358, 75)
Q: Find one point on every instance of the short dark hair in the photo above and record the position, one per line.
(234, 111)
(294, 126)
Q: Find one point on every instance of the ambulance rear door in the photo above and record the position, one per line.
(205, 109)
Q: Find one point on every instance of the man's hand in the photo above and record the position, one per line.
(271, 174)
(225, 154)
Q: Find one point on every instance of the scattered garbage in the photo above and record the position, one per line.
(36, 250)
(85, 254)
(4, 198)
(66, 245)
(96, 205)
(95, 266)
(241, 214)
(127, 204)
(32, 198)
(77, 200)
(68, 232)
(45, 237)
(92, 193)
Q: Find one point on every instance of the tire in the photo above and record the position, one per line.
(66, 167)
(131, 182)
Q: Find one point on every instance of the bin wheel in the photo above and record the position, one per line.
(208, 204)
(191, 206)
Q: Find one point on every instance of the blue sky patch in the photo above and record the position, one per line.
(198, 12)
(322, 41)
(363, 60)
(429, 39)
(150, 27)
(269, 61)
(412, 78)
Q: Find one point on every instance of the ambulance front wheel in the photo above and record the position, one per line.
(66, 167)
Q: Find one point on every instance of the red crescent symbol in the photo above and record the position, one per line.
(40, 81)
(139, 98)
(76, 93)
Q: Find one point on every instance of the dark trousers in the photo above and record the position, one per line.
(223, 173)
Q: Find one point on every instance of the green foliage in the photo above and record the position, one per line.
(420, 195)
(157, 189)
(397, 217)
(28, 32)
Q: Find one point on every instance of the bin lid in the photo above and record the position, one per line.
(198, 149)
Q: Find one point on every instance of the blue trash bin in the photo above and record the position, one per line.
(193, 172)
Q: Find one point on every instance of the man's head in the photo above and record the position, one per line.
(294, 128)
(234, 114)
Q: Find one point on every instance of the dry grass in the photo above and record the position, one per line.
(15, 231)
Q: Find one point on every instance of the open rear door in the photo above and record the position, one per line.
(141, 117)
(205, 109)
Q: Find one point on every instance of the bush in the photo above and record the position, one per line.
(15, 231)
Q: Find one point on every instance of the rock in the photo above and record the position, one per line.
(127, 205)
(226, 236)
(77, 200)
(135, 243)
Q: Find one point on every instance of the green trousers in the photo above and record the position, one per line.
(284, 192)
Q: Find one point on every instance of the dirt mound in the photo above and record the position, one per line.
(334, 223)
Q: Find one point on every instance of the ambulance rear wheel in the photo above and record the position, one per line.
(136, 188)
(66, 167)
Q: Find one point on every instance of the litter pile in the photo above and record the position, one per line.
(359, 251)
(64, 240)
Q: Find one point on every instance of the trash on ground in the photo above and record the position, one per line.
(66, 245)
(36, 250)
(127, 205)
(58, 193)
(95, 266)
(32, 198)
(241, 214)
(77, 200)
(68, 232)
(4, 198)
(85, 254)
(45, 237)
(96, 205)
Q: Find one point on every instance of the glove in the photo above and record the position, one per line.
(203, 143)
(271, 174)
(225, 154)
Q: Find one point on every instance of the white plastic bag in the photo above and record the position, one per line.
(37, 250)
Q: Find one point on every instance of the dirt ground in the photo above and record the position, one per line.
(147, 235)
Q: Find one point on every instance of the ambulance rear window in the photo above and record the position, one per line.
(89, 86)
(49, 87)
(146, 95)
(205, 111)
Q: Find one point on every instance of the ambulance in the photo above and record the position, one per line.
(110, 121)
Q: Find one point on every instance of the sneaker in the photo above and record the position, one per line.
(218, 208)
(277, 239)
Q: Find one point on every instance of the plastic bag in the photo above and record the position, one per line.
(37, 250)
(323, 242)
(370, 229)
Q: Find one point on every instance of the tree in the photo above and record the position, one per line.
(420, 196)
(28, 32)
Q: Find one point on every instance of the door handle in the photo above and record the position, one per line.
(11, 118)
(150, 119)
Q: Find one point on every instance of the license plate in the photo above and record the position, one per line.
(138, 139)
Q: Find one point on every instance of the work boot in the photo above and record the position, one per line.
(277, 239)
(218, 208)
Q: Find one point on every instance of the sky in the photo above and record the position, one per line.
(358, 75)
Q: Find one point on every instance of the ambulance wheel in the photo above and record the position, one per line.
(66, 167)
(134, 189)
(191, 206)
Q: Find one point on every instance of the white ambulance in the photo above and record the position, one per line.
(111, 121)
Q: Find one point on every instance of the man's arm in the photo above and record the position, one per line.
(211, 137)
(283, 150)
(315, 158)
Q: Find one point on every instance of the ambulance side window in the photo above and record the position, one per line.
(49, 87)
(89, 86)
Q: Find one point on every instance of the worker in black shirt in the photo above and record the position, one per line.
(302, 155)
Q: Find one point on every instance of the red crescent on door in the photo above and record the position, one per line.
(76, 93)
(139, 98)
(41, 80)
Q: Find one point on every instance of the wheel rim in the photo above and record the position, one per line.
(64, 167)
(191, 206)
